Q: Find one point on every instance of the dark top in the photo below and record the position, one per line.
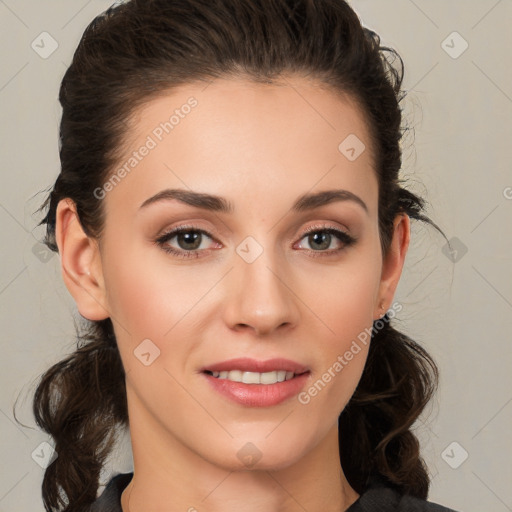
(379, 496)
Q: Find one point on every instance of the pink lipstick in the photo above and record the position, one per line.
(256, 383)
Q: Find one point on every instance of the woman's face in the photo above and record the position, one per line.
(246, 281)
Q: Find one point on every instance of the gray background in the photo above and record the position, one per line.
(458, 304)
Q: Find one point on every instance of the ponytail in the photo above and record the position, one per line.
(398, 381)
(79, 401)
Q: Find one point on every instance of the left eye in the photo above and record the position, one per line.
(322, 238)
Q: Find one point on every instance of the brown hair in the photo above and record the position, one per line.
(139, 49)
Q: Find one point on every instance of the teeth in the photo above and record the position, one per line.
(255, 377)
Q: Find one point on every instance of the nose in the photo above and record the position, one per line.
(260, 297)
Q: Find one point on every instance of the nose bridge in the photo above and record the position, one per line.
(259, 296)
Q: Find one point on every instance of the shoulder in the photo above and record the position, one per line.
(110, 499)
(413, 504)
(381, 496)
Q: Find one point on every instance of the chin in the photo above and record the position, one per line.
(260, 456)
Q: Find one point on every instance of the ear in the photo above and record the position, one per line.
(80, 263)
(393, 264)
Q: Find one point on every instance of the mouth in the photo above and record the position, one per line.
(254, 383)
(271, 377)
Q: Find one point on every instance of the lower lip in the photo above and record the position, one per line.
(258, 395)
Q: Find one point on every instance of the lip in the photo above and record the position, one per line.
(247, 364)
(258, 395)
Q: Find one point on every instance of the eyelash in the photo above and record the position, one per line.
(162, 241)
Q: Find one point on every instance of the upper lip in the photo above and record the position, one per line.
(252, 365)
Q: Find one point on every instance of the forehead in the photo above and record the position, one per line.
(233, 134)
(241, 102)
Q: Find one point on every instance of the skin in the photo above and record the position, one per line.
(261, 147)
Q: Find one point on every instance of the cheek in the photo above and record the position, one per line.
(349, 298)
(150, 300)
(346, 309)
(345, 295)
(146, 294)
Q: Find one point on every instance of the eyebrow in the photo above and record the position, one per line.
(220, 204)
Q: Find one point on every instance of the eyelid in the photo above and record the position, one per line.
(321, 227)
(180, 228)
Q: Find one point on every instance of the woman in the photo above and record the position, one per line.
(232, 229)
